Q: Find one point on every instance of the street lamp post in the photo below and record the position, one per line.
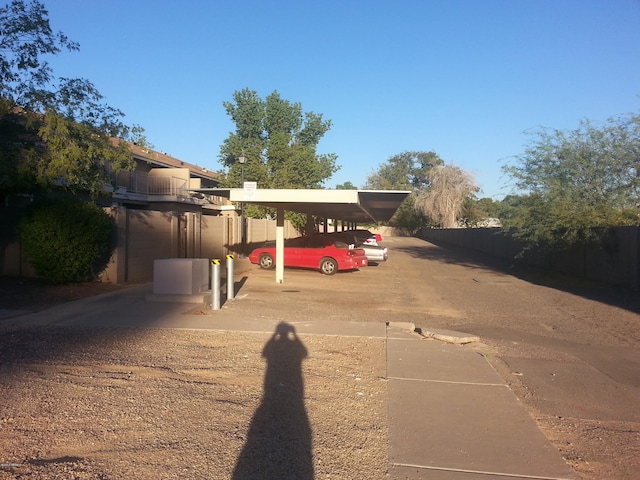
(242, 159)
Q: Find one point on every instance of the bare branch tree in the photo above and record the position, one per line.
(443, 200)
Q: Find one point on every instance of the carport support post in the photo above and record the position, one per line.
(230, 290)
(280, 245)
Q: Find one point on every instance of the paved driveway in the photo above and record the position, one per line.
(570, 351)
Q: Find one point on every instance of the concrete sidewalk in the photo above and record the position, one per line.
(450, 415)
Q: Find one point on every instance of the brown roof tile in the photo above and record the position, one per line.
(164, 160)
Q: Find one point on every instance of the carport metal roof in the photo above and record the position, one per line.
(357, 206)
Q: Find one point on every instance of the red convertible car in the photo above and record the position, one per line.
(317, 252)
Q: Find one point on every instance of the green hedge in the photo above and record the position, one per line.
(66, 240)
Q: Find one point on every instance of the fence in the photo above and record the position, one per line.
(615, 261)
(142, 236)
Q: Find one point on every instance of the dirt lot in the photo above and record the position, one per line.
(34, 295)
(169, 404)
(182, 404)
(114, 403)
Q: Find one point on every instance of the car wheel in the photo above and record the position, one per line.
(328, 266)
(266, 261)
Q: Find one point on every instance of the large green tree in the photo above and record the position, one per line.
(576, 183)
(26, 38)
(279, 142)
(476, 212)
(53, 131)
(346, 186)
(405, 171)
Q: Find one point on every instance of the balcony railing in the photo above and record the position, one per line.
(144, 187)
(172, 186)
(143, 184)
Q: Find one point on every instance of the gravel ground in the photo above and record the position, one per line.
(165, 404)
(34, 295)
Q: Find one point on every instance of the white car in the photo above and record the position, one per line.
(375, 253)
(365, 240)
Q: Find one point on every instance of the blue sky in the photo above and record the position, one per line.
(463, 78)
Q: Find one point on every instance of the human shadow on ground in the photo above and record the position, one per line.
(278, 443)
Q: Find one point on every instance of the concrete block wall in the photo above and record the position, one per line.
(216, 236)
(616, 262)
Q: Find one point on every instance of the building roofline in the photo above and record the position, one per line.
(167, 161)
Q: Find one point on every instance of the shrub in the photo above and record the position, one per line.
(66, 240)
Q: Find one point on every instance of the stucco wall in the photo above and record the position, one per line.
(143, 236)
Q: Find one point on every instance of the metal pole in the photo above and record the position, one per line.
(215, 284)
(279, 245)
(230, 284)
(242, 234)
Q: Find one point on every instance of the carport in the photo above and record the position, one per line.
(351, 206)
